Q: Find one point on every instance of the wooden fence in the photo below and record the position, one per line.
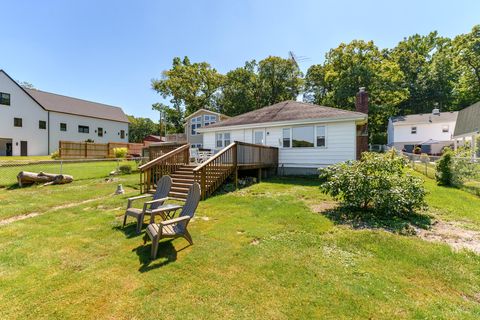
(90, 150)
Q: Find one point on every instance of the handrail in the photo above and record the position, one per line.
(204, 164)
(151, 163)
(255, 145)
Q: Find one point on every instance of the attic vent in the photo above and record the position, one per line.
(436, 112)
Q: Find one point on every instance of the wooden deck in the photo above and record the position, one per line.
(211, 174)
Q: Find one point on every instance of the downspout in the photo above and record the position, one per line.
(48, 132)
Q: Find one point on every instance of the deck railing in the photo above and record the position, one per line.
(249, 154)
(166, 164)
(212, 173)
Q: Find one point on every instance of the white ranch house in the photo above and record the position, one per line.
(32, 122)
(308, 136)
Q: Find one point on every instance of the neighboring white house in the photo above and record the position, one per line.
(32, 122)
(308, 136)
(431, 131)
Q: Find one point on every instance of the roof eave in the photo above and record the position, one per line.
(282, 123)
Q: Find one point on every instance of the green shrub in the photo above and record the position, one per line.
(444, 169)
(125, 169)
(120, 152)
(55, 155)
(377, 182)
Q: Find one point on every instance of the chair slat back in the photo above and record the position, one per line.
(193, 198)
(163, 188)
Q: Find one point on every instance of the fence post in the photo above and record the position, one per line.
(61, 166)
(86, 148)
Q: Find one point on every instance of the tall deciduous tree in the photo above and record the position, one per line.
(279, 79)
(353, 65)
(189, 85)
(240, 90)
(466, 48)
(172, 118)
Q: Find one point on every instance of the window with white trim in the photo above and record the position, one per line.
(304, 137)
(195, 124)
(5, 98)
(222, 139)
(209, 119)
(413, 130)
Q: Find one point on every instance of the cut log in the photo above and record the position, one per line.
(27, 178)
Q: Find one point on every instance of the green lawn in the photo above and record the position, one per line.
(260, 252)
(79, 170)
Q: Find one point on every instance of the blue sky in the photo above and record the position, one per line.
(108, 51)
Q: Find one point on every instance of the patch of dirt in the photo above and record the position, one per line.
(34, 214)
(455, 236)
(255, 242)
(323, 206)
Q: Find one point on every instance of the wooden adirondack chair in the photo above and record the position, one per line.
(159, 197)
(176, 227)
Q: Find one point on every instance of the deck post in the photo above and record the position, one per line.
(235, 178)
(259, 174)
(203, 185)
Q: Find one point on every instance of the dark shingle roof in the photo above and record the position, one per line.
(426, 118)
(64, 104)
(287, 111)
(468, 120)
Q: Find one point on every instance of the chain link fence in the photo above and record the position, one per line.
(79, 169)
(466, 171)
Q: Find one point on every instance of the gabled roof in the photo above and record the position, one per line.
(288, 111)
(468, 120)
(204, 110)
(411, 119)
(63, 104)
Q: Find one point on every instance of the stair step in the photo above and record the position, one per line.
(181, 195)
(183, 180)
(179, 189)
(182, 184)
(182, 176)
(185, 172)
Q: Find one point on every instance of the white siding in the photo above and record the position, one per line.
(425, 131)
(111, 129)
(22, 106)
(341, 144)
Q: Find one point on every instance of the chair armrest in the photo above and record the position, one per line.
(130, 200)
(156, 200)
(174, 221)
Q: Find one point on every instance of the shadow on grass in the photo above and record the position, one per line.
(372, 220)
(166, 255)
(130, 230)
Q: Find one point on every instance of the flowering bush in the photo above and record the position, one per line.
(120, 152)
(377, 182)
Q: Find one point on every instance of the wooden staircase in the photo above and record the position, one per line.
(183, 178)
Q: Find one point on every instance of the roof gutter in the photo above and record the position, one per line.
(360, 119)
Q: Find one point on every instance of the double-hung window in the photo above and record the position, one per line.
(209, 119)
(304, 137)
(222, 139)
(63, 126)
(100, 132)
(195, 124)
(413, 130)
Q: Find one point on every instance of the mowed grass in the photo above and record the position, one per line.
(259, 253)
(79, 170)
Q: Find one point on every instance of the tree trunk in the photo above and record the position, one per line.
(27, 178)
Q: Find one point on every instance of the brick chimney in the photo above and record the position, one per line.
(361, 105)
(361, 101)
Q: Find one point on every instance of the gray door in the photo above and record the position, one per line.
(23, 148)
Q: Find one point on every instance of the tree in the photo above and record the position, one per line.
(466, 49)
(353, 65)
(279, 79)
(26, 84)
(240, 90)
(139, 128)
(428, 72)
(172, 118)
(191, 86)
